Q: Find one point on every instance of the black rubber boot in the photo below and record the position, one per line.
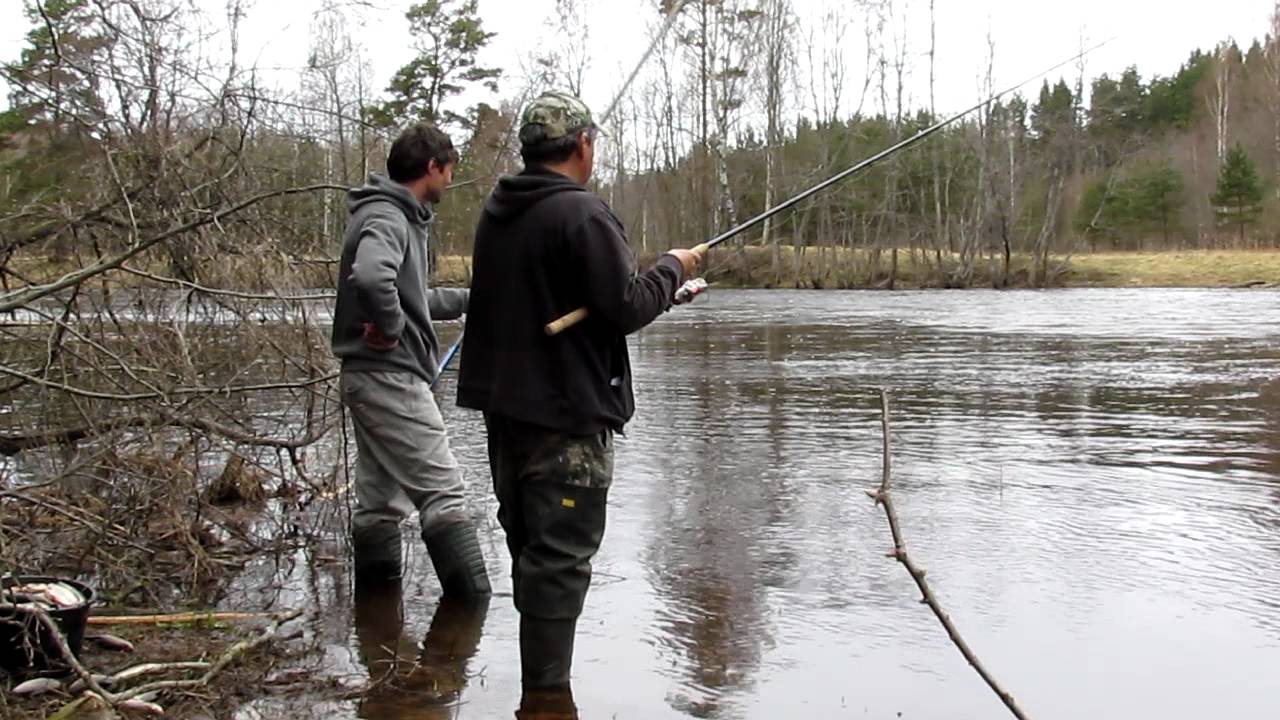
(377, 552)
(455, 553)
(546, 652)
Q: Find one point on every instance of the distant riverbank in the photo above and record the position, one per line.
(820, 268)
(850, 269)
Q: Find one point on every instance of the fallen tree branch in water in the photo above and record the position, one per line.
(181, 391)
(123, 699)
(329, 296)
(229, 656)
(27, 295)
(884, 499)
(11, 445)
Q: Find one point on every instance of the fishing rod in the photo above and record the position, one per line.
(604, 120)
(568, 320)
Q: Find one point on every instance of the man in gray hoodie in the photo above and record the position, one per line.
(383, 335)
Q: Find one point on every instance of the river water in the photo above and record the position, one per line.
(1090, 477)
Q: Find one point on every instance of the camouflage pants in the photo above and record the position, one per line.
(551, 490)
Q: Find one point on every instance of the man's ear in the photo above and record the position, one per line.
(584, 141)
(433, 165)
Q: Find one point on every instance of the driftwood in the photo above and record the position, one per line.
(229, 656)
(884, 499)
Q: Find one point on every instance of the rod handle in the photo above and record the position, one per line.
(564, 322)
(559, 325)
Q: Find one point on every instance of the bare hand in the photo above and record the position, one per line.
(689, 261)
(374, 338)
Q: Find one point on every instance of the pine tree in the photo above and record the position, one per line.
(49, 84)
(1161, 196)
(449, 36)
(1238, 198)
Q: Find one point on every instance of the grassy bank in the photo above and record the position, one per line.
(843, 268)
(1194, 268)
(822, 268)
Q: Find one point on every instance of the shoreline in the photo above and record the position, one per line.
(752, 268)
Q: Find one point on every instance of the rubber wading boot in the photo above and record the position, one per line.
(546, 652)
(455, 553)
(377, 552)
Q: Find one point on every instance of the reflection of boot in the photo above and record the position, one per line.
(538, 704)
(455, 553)
(377, 551)
(546, 652)
(450, 643)
(379, 620)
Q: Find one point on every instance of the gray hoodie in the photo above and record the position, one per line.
(383, 280)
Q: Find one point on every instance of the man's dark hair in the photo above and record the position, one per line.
(415, 148)
(550, 152)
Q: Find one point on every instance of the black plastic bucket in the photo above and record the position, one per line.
(26, 646)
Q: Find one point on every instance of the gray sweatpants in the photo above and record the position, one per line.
(403, 457)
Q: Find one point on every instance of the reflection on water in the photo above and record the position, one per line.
(1090, 477)
(405, 680)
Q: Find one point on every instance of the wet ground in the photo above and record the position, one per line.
(1091, 478)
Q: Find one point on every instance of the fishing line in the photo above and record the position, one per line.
(570, 319)
(604, 120)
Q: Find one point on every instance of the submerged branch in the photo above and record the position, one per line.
(884, 498)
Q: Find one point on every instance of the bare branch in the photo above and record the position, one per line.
(884, 498)
(226, 293)
(53, 34)
(14, 300)
(181, 391)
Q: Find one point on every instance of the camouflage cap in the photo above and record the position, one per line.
(553, 115)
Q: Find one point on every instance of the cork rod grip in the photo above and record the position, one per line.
(564, 322)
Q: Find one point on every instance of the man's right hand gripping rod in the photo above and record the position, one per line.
(568, 320)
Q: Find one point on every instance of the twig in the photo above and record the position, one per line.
(53, 34)
(11, 445)
(226, 390)
(232, 653)
(229, 656)
(226, 293)
(899, 553)
(92, 522)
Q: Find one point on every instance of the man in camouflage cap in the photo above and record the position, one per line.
(545, 245)
(553, 115)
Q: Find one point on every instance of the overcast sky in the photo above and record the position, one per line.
(1029, 35)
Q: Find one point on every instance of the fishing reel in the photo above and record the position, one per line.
(689, 291)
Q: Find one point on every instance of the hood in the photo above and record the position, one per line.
(516, 193)
(380, 188)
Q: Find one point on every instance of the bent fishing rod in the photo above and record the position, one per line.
(604, 120)
(568, 320)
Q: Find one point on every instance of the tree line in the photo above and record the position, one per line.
(745, 104)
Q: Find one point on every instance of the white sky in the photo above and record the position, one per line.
(1029, 36)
